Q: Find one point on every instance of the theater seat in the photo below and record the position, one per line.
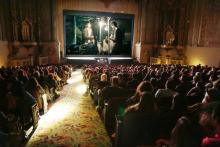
(32, 123)
(115, 106)
(135, 129)
(35, 115)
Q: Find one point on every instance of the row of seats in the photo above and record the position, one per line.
(166, 98)
(25, 94)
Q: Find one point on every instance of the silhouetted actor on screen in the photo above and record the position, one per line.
(88, 34)
(89, 40)
(117, 38)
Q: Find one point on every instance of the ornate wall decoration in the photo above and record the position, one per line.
(173, 17)
(169, 36)
(30, 26)
(26, 30)
(107, 2)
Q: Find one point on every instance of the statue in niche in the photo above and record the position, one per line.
(26, 30)
(169, 36)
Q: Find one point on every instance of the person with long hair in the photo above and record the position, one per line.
(214, 140)
(35, 89)
(146, 105)
(144, 86)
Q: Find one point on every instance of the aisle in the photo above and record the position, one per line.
(72, 121)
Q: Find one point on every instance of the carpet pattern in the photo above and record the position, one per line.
(72, 121)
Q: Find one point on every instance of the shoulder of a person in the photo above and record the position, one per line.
(160, 90)
(106, 88)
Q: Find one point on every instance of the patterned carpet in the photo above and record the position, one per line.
(72, 121)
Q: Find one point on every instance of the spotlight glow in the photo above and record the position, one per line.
(106, 28)
(75, 73)
(75, 80)
(196, 61)
(56, 114)
(44, 96)
(81, 89)
(101, 23)
(59, 112)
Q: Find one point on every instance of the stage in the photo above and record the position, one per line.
(98, 60)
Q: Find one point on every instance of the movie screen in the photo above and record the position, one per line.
(96, 33)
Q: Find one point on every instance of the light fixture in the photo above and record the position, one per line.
(101, 23)
(106, 28)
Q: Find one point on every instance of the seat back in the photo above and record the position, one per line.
(45, 104)
(134, 128)
(35, 115)
(115, 106)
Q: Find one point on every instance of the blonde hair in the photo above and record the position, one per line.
(104, 77)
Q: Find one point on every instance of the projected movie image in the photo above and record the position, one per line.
(103, 34)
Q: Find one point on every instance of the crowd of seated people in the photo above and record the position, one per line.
(182, 101)
(20, 89)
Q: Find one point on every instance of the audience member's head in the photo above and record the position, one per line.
(154, 82)
(144, 86)
(147, 103)
(170, 84)
(104, 77)
(114, 81)
(183, 78)
(211, 95)
(184, 134)
(196, 79)
(179, 103)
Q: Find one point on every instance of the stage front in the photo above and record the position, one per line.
(98, 60)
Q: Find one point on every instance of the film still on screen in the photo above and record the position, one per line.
(90, 33)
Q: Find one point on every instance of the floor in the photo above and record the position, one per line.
(72, 121)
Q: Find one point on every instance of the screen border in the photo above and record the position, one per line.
(97, 13)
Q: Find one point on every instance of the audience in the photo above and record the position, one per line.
(185, 99)
(20, 89)
(164, 96)
(113, 90)
(176, 94)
